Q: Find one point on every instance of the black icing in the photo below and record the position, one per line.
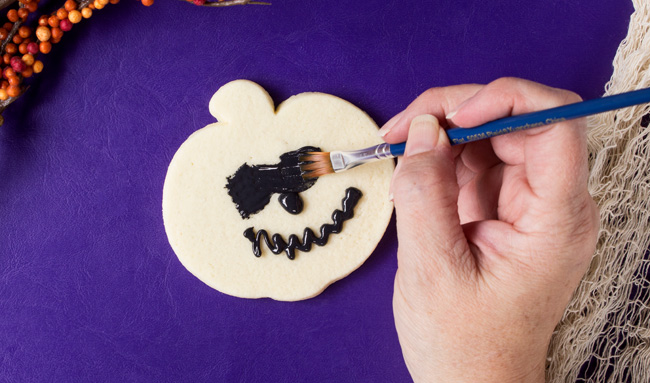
(291, 202)
(277, 244)
(251, 186)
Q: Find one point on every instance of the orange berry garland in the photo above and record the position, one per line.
(23, 13)
(31, 6)
(53, 21)
(11, 48)
(45, 47)
(21, 45)
(28, 72)
(13, 80)
(28, 59)
(74, 16)
(13, 91)
(38, 66)
(70, 5)
(43, 33)
(62, 14)
(56, 33)
(24, 32)
(12, 15)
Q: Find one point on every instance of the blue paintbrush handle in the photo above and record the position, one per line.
(540, 118)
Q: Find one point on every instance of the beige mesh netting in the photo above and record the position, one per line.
(605, 332)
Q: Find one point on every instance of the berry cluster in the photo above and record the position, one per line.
(22, 47)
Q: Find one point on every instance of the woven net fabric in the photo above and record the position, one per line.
(604, 335)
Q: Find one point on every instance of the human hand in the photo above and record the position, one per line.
(494, 236)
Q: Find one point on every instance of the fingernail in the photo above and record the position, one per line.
(423, 135)
(453, 113)
(390, 124)
(443, 139)
(390, 197)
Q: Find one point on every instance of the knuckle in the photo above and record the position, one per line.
(508, 85)
(425, 99)
(568, 97)
(430, 94)
(505, 82)
(507, 91)
(517, 89)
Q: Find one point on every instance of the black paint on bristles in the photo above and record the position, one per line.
(315, 164)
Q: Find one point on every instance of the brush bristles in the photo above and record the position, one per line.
(315, 164)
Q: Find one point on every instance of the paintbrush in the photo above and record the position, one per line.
(317, 164)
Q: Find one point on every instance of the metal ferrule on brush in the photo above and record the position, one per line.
(348, 160)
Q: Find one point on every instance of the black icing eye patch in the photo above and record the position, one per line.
(251, 187)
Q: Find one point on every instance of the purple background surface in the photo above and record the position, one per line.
(89, 286)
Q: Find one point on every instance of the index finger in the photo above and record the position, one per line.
(554, 156)
(436, 101)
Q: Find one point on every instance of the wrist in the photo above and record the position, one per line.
(478, 359)
(504, 370)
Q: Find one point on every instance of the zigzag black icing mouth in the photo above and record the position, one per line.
(277, 244)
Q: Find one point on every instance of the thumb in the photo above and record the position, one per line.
(425, 193)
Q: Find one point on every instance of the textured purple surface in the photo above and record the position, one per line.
(89, 287)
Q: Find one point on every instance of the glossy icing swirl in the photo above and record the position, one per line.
(277, 244)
